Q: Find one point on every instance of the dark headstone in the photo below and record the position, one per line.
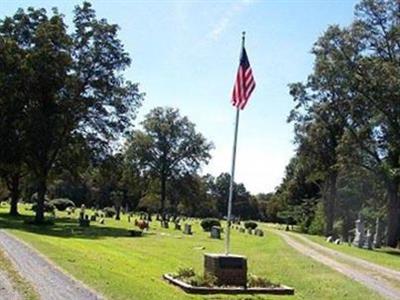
(215, 232)
(187, 229)
(228, 269)
(177, 226)
(259, 232)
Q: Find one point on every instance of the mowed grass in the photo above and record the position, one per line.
(122, 267)
(386, 257)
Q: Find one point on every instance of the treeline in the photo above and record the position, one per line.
(66, 126)
(347, 128)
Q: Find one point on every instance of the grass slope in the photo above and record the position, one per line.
(122, 267)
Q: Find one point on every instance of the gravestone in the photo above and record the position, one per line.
(177, 226)
(101, 221)
(359, 237)
(242, 230)
(249, 231)
(84, 222)
(368, 241)
(378, 234)
(93, 218)
(229, 270)
(164, 224)
(337, 242)
(187, 229)
(215, 232)
(82, 212)
(259, 232)
(129, 218)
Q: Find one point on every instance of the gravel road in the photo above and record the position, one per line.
(7, 291)
(49, 281)
(366, 278)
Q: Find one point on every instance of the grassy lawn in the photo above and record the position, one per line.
(386, 257)
(19, 283)
(122, 267)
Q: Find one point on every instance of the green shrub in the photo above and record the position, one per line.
(206, 280)
(48, 207)
(185, 273)
(318, 223)
(257, 281)
(250, 225)
(207, 223)
(62, 203)
(109, 212)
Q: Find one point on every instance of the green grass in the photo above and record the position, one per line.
(19, 283)
(122, 267)
(386, 257)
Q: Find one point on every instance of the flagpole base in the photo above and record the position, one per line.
(228, 269)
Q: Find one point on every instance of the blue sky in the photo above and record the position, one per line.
(185, 54)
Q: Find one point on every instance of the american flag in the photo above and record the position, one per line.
(245, 82)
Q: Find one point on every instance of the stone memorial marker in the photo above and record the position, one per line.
(259, 232)
(177, 226)
(215, 232)
(187, 229)
(228, 269)
(242, 230)
(368, 240)
(85, 222)
(359, 238)
(164, 224)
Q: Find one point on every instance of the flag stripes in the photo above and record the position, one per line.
(244, 84)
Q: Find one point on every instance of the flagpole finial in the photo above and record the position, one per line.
(243, 37)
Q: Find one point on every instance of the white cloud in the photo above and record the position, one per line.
(226, 19)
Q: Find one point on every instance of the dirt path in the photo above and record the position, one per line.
(7, 290)
(366, 265)
(50, 282)
(375, 283)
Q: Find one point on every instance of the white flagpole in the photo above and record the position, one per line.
(228, 226)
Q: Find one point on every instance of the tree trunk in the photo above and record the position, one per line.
(330, 204)
(163, 193)
(14, 195)
(42, 187)
(118, 212)
(393, 214)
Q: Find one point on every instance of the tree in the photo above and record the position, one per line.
(360, 64)
(73, 86)
(168, 147)
(318, 131)
(12, 136)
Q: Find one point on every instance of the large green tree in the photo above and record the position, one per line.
(360, 66)
(168, 147)
(12, 135)
(73, 85)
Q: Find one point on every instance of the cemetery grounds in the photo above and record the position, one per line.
(117, 266)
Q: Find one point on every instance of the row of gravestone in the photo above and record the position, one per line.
(257, 231)
(364, 238)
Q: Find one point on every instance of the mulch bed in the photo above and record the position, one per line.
(280, 290)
